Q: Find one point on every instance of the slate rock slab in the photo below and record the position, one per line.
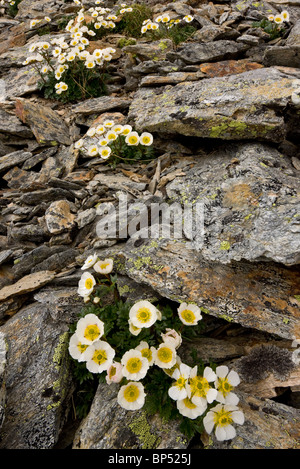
(236, 107)
(47, 125)
(251, 199)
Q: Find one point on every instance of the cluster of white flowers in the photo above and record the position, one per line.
(193, 392)
(149, 25)
(109, 132)
(280, 18)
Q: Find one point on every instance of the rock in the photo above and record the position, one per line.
(193, 53)
(58, 217)
(27, 261)
(48, 127)
(85, 217)
(156, 50)
(228, 67)
(57, 261)
(236, 107)
(100, 105)
(258, 295)
(108, 426)
(13, 159)
(10, 124)
(248, 205)
(19, 82)
(27, 284)
(3, 353)
(286, 56)
(28, 232)
(48, 195)
(40, 374)
(269, 425)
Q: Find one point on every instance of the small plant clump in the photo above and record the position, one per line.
(116, 142)
(274, 24)
(178, 30)
(136, 346)
(11, 6)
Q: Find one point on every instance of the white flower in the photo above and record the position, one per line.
(93, 150)
(134, 330)
(89, 262)
(79, 143)
(188, 409)
(146, 351)
(189, 314)
(188, 18)
(271, 17)
(131, 396)
(165, 19)
(104, 267)
(89, 329)
(126, 129)
(221, 418)
(135, 366)
(132, 138)
(199, 390)
(278, 19)
(100, 129)
(105, 152)
(111, 136)
(172, 337)
(91, 132)
(225, 383)
(99, 356)
(165, 356)
(103, 142)
(285, 16)
(118, 128)
(90, 64)
(178, 390)
(146, 139)
(143, 314)
(77, 349)
(108, 123)
(114, 373)
(86, 284)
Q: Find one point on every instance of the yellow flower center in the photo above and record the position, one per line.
(92, 332)
(222, 418)
(104, 264)
(144, 315)
(88, 283)
(188, 316)
(224, 386)
(189, 404)
(81, 347)
(99, 357)
(164, 354)
(146, 139)
(133, 139)
(131, 393)
(199, 386)
(180, 383)
(134, 365)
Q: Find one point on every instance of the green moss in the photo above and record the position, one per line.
(60, 350)
(141, 428)
(233, 128)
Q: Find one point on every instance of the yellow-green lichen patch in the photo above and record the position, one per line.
(141, 428)
(225, 246)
